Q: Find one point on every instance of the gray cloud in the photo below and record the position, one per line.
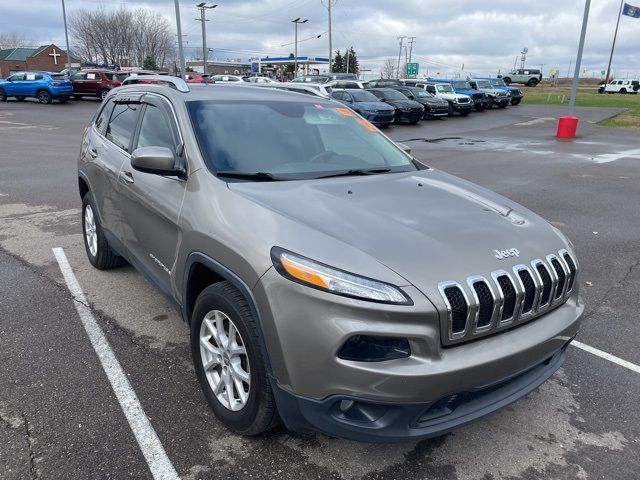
(485, 36)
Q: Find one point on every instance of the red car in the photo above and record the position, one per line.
(94, 83)
(197, 78)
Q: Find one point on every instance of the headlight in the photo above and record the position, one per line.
(323, 277)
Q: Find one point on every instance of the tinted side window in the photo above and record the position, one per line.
(155, 130)
(122, 124)
(80, 76)
(103, 117)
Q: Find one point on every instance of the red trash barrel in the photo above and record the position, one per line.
(567, 126)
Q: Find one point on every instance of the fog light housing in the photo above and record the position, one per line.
(370, 348)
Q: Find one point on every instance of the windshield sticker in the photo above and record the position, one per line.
(345, 112)
(368, 125)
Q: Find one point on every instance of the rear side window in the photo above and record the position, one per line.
(122, 124)
(155, 130)
(57, 77)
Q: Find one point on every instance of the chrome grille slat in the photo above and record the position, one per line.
(511, 296)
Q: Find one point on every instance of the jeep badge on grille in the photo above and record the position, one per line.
(510, 252)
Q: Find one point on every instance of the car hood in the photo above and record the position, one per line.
(403, 103)
(374, 106)
(426, 226)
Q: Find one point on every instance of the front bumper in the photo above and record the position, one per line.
(380, 118)
(305, 328)
(436, 111)
(393, 422)
(412, 116)
(462, 107)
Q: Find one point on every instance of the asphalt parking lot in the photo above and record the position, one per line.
(59, 417)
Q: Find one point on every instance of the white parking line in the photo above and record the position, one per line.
(153, 451)
(607, 356)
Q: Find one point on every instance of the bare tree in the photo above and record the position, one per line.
(11, 40)
(124, 37)
(388, 68)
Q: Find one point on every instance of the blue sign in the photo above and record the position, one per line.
(255, 67)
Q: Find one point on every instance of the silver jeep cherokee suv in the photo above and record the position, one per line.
(329, 278)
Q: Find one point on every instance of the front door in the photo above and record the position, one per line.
(150, 204)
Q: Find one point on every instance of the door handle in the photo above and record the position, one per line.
(93, 152)
(127, 177)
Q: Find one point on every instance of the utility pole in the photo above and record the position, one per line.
(613, 46)
(347, 60)
(399, 54)
(180, 49)
(411, 42)
(576, 74)
(203, 18)
(297, 21)
(66, 37)
(329, 4)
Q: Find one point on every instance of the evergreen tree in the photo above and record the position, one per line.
(149, 63)
(354, 66)
(338, 63)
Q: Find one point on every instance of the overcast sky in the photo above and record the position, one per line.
(485, 36)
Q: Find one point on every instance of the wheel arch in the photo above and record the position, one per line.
(200, 272)
(83, 186)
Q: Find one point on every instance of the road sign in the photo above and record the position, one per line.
(412, 69)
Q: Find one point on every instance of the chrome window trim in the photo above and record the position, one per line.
(516, 273)
(442, 286)
(471, 281)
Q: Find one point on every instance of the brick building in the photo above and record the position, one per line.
(50, 58)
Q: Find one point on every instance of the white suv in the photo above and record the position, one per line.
(526, 76)
(620, 86)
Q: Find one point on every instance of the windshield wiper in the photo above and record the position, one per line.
(256, 176)
(357, 171)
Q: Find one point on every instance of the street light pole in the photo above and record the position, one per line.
(180, 49)
(203, 18)
(296, 21)
(66, 37)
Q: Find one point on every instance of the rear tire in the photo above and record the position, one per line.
(506, 80)
(44, 97)
(99, 253)
(533, 82)
(3, 96)
(236, 362)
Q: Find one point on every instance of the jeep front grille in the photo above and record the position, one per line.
(485, 305)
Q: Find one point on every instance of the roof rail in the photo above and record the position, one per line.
(173, 82)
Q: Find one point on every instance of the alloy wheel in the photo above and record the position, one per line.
(90, 231)
(224, 360)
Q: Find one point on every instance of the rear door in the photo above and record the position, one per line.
(31, 82)
(150, 204)
(93, 83)
(110, 153)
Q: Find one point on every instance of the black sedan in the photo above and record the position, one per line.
(407, 110)
(433, 106)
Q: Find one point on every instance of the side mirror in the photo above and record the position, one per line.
(157, 160)
(404, 147)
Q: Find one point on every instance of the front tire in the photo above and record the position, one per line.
(227, 352)
(3, 95)
(623, 91)
(99, 253)
(103, 93)
(44, 97)
(464, 113)
(516, 101)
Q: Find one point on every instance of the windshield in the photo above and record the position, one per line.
(497, 82)
(390, 95)
(360, 96)
(484, 84)
(445, 88)
(466, 85)
(293, 140)
(418, 92)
